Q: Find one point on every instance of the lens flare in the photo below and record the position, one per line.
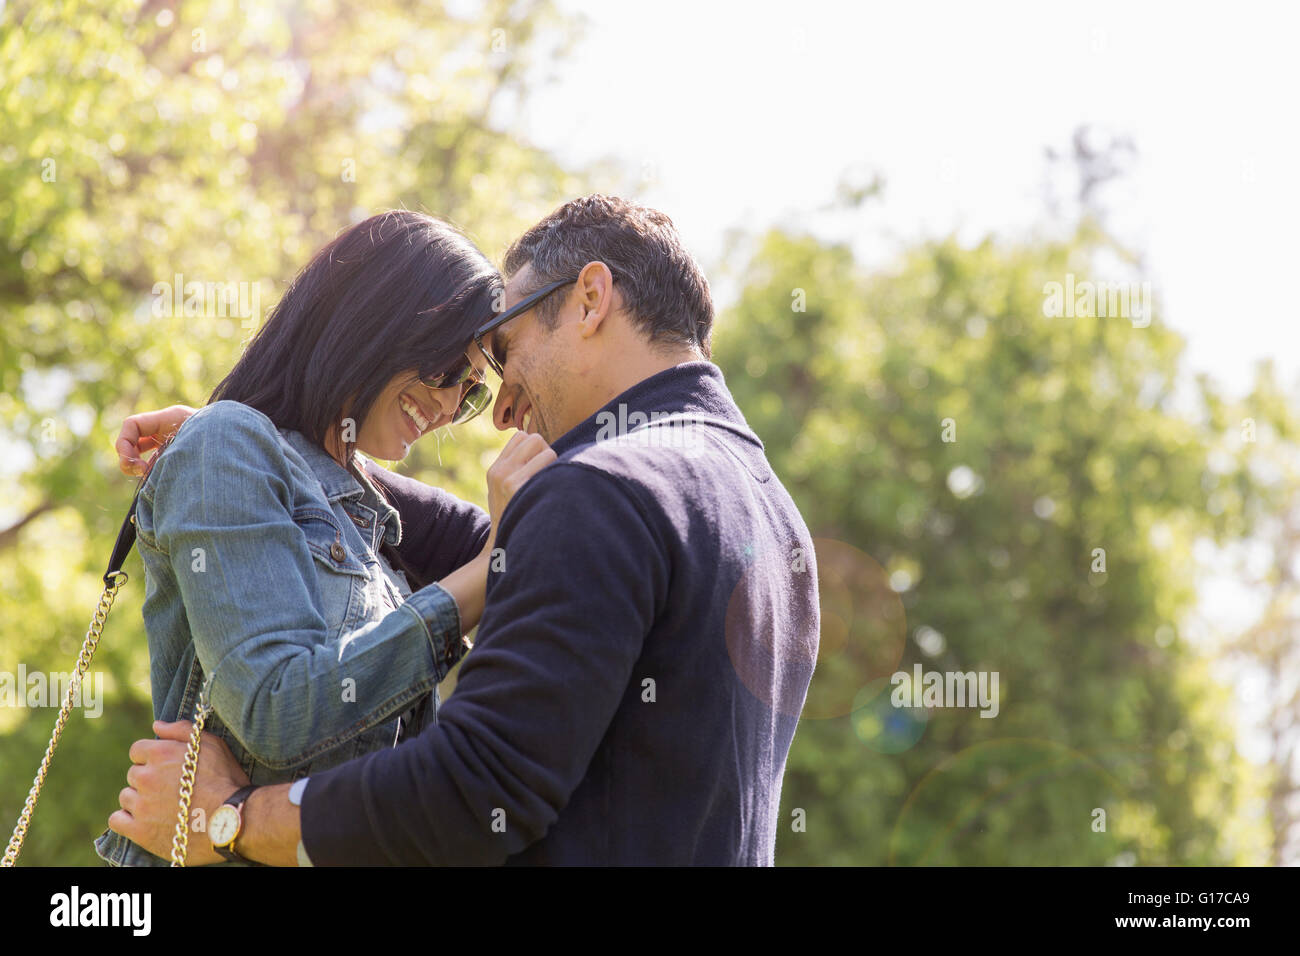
(856, 634)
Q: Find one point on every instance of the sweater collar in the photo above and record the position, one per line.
(695, 389)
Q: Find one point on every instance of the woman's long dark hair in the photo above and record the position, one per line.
(398, 293)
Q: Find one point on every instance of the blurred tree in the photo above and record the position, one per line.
(995, 490)
(148, 146)
(1258, 443)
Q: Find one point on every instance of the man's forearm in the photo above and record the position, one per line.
(271, 828)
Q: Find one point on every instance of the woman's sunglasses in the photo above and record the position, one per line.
(474, 392)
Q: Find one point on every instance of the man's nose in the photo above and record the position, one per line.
(503, 411)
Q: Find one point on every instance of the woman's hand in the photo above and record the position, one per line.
(523, 456)
(152, 798)
(146, 432)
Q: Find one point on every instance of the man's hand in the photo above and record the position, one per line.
(150, 802)
(145, 432)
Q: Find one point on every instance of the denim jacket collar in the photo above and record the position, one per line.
(339, 485)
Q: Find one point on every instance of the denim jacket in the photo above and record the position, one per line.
(262, 570)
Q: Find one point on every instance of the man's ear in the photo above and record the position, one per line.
(595, 291)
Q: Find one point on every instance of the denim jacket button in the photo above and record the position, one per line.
(337, 552)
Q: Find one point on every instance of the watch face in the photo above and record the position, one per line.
(223, 825)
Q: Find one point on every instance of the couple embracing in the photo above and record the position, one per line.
(647, 612)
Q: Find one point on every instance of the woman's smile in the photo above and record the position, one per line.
(412, 417)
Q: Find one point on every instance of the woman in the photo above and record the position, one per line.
(268, 541)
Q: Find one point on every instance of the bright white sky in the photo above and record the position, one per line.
(749, 114)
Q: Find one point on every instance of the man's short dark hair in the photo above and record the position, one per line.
(664, 292)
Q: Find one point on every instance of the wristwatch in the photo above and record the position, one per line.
(226, 823)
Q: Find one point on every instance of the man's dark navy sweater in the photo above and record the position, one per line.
(640, 666)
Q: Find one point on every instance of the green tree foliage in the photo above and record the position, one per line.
(223, 143)
(967, 464)
(1259, 444)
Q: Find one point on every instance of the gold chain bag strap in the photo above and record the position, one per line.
(114, 578)
(181, 838)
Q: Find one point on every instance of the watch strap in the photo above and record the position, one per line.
(237, 798)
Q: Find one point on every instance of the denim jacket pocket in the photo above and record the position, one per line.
(340, 573)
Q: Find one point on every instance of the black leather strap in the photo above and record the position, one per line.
(123, 545)
(240, 795)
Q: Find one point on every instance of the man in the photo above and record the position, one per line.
(651, 624)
